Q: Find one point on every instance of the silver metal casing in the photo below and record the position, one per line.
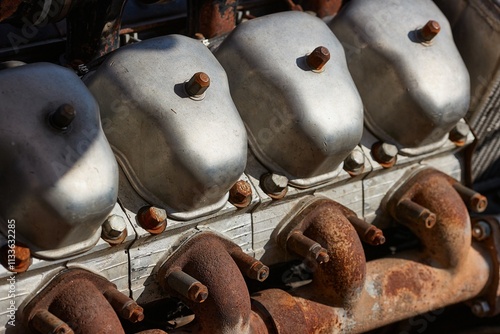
(414, 92)
(58, 186)
(179, 152)
(301, 123)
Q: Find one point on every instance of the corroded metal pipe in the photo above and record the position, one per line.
(337, 282)
(208, 259)
(396, 287)
(80, 301)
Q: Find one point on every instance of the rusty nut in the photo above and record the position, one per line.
(429, 31)
(240, 194)
(317, 59)
(198, 84)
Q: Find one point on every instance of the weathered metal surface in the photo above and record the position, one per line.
(436, 204)
(211, 17)
(207, 258)
(84, 302)
(396, 287)
(414, 91)
(64, 182)
(340, 280)
(302, 123)
(179, 152)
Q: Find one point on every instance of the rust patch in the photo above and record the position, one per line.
(212, 17)
(208, 258)
(83, 302)
(17, 259)
(410, 279)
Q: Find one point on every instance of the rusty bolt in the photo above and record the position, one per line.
(481, 230)
(187, 286)
(459, 133)
(17, 259)
(198, 293)
(385, 154)
(114, 227)
(320, 255)
(474, 200)
(62, 117)
(374, 237)
(259, 271)
(45, 322)
(252, 268)
(307, 248)
(354, 163)
(126, 307)
(317, 59)
(198, 84)
(409, 211)
(274, 184)
(480, 308)
(152, 219)
(240, 194)
(478, 203)
(429, 31)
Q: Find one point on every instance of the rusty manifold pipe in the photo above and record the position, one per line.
(323, 226)
(206, 273)
(445, 271)
(77, 301)
(211, 18)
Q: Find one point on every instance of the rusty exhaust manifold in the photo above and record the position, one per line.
(206, 273)
(77, 301)
(349, 295)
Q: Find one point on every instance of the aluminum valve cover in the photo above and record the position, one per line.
(414, 92)
(179, 152)
(58, 184)
(301, 123)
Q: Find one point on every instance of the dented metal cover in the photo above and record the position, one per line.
(57, 184)
(301, 123)
(414, 90)
(179, 152)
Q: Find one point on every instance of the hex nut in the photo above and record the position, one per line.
(459, 133)
(152, 219)
(198, 84)
(274, 185)
(62, 117)
(317, 59)
(429, 31)
(240, 194)
(385, 154)
(355, 162)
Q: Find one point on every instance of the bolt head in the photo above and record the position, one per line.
(430, 30)
(152, 219)
(198, 84)
(240, 193)
(198, 293)
(258, 271)
(63, 116)
(354, 162)
(459, 132)
(318, 58)
(274, 183)
(481, 230)
(113, 227)
(480, 308)
(384, 153)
